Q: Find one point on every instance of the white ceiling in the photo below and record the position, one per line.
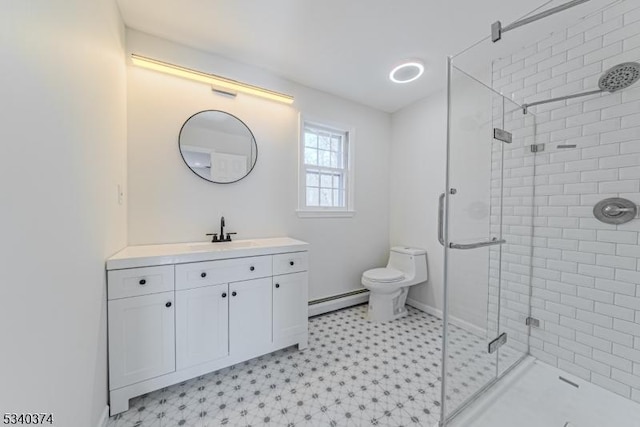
(343, 47)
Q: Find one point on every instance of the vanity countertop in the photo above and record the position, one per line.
(179, 253)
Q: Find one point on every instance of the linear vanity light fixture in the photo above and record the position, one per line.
(218, 83)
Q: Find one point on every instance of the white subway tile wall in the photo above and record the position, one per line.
(585, 275)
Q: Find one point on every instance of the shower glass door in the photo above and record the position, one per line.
(513, 206)
(490, 175)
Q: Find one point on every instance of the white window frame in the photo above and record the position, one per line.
(305, 211)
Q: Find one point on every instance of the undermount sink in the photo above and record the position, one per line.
(222, 246)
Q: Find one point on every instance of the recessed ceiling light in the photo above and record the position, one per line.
(406, 72)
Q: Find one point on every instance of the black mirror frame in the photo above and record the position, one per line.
(255, 142)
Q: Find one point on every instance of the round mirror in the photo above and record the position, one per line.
(218, 146)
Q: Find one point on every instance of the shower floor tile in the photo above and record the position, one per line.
(534, 395)
(354, 373)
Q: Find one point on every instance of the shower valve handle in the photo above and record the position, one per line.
(616, 210)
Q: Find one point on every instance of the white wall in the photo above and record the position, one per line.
(418, 160)
(63, 129)
(168, 203)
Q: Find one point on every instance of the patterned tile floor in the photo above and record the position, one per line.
(354, 373)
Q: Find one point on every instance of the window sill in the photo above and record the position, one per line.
(305, 213)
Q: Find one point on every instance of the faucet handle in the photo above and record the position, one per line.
(229, 236)
(214, 238)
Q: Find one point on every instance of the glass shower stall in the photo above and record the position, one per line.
(538, 218)
(490, 208)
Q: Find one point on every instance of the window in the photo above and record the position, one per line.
(325, 173)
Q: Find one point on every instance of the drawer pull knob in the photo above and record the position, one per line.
(291, 263)
(277, 285)
(168, 304)
(203, 275)
(224, 295)
(234, 293)
(252, 268)
(143, 281)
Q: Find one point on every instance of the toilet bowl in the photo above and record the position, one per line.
(388, 287)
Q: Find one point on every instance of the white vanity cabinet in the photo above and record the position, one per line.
(199, 311)
(141, 324)
(215, 321)
(289, 286)
(289, 317)
(141, 338)
(250, 317)
(202, 325)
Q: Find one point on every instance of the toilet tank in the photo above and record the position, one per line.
(411, 261)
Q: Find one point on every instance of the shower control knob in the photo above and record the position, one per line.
(615, 210)
(612, 210)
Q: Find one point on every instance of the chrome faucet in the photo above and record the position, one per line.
(222, 238)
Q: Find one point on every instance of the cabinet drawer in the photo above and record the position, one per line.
(199, 274)
(139, 281)
(290, 263)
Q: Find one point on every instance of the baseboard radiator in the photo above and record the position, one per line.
(337, 302)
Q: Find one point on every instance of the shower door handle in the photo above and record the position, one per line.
(441, 219)
(494, 241)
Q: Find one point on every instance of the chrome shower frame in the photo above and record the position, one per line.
(497, 29)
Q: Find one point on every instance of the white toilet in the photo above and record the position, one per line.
(389, 286)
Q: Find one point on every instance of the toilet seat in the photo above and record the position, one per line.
(383, 275)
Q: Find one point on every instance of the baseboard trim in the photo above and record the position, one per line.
(338, 303)
(467, 326)
(104, 418)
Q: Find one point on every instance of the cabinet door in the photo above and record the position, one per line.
(250, 317)
(202, 322)
(290, 305)
(141, 338)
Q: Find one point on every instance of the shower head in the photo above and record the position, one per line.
(620, 77)
(616, 78)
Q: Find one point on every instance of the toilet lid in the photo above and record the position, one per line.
(384, 275)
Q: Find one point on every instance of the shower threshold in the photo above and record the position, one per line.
(535, 394)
